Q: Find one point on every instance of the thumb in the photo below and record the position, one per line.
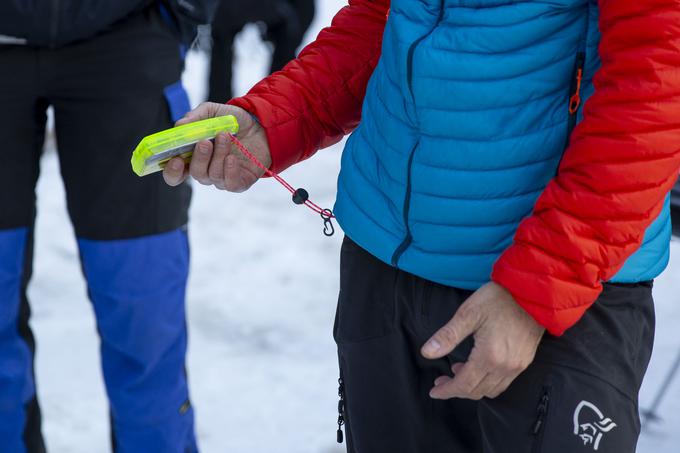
(204, 111)
(463, 324)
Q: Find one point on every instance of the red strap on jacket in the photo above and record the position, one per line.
(623, 159)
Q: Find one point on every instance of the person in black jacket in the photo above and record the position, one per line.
(284, 23)
(111, 71)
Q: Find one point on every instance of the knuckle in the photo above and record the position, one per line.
(518, 366)
(512, 369)
(495, 359)
(233, 186)
(215, 173)
(512, 366)
(494, 394)
(197, 171)
(467, 312)
(198, 165)
(453, 393)
(464, 310)
(467, 388)
(447, 334)
(470, 394)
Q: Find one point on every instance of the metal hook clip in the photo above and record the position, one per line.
(328, 228)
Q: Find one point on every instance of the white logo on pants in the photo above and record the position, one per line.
(590, 424)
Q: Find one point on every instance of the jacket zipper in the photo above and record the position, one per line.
(54, 25)
(575, 93)
(574, 101)
(541, 415)
(407, 206)
(407, 198)
(576, 80)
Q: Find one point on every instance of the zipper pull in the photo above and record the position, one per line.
(537, 426)
(341, 411)
(541, 411)
(575, 99)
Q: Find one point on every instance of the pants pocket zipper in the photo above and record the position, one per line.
(341, 408)
(541, 416)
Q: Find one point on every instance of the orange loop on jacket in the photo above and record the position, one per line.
(575, 100)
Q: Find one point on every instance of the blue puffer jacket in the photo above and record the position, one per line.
(465, 121)
(452, 173)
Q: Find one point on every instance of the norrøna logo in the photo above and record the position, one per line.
(590, 424)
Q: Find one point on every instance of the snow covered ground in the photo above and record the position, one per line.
(261, 304)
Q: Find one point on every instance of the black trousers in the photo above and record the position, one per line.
(579, 395)
(286, 22)
(107, 93)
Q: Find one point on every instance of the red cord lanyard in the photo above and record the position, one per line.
(300, 196)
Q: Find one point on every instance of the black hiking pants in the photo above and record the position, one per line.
(107, 93)
(286, 23)
(579, 395)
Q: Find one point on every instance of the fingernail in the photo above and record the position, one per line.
(433, 394)
(176, 165)
(431, 347)
(203, 148)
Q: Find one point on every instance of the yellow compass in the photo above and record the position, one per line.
(155, 150)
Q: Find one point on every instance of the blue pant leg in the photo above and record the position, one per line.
(17, 387)
(137, 287)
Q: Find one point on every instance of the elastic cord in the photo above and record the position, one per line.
(326, 214)
(241, 147)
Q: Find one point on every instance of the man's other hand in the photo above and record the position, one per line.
(506, 339)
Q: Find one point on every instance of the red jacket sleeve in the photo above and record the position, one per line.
(316, 99)
(623, 159)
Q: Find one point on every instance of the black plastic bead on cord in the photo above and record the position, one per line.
(300, 196)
